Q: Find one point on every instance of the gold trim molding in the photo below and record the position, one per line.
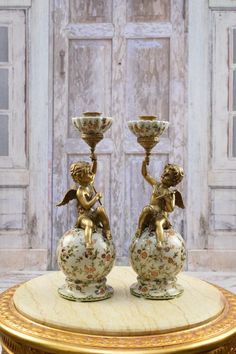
(22, 336)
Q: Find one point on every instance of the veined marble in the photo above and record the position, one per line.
(122, 314)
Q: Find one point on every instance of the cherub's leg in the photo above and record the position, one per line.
(147, 210)
(103, 218)
(87, 224)
(160, 231)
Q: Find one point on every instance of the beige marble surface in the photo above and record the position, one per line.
(123, 313)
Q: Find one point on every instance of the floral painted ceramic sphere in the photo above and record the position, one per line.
(85, 270)
(157, 267)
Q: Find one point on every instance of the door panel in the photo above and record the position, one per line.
(147, 85)
(149, 10)
(85, 11)
(89, 63)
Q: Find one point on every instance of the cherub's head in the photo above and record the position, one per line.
(81, 173)
(172, 175)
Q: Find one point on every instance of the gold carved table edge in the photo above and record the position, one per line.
(21, 335)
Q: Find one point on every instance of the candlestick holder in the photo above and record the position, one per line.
(148, 131)
(86, 253)
(92, 126)
(157, 251)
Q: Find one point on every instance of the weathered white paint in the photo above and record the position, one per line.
(12, 208)
(177, 103)
(211, 214)
(220, 178)
(83, 31)
(153, 11)
(15, 21)
(197, 216)
(88, 11)
(230, 4)
(148, 78)
(224, 209)
(222, 196)
(22, 259)
(211, 260)
(90, 76)
(210, 223)
(60, 121)
(15, 3)
(13, 178)
(24, 187)
(140, 71)
(39, 139)
(148, 30)
(18, 239)
(222, 87)
(78, 146)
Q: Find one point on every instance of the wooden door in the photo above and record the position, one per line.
(13, 174)
(211, 217)
(124, 58)
(222, 178)
(24, 158)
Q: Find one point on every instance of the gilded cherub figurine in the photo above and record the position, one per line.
(89, 218)
(163, 200)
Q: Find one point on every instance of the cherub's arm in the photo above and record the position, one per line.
(84, 202)
(94, 163)
(146, 175)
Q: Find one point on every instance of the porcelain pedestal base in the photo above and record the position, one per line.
(157, 266)
(156, 289)
(85, 269)
(86, 292)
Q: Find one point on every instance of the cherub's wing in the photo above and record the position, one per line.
(179, 200)
(70, 194)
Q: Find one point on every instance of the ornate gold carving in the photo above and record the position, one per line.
(218, 330)
(17, 348)
(228, 348)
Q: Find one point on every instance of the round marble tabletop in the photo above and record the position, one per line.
(35, 319)
(123, 313)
